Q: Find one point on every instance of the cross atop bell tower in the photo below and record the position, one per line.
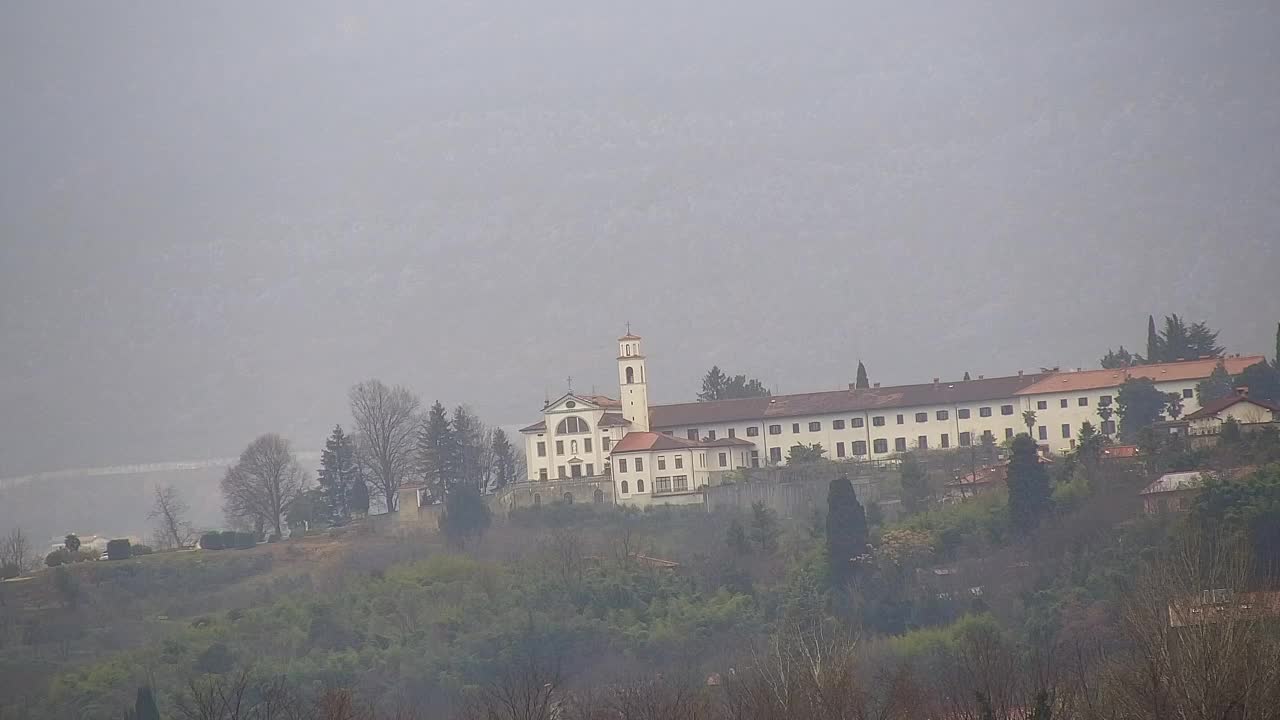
(633, 387)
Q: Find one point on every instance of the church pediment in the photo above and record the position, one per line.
(572, 402)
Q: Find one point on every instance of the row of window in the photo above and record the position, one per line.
(626, 487)
(574, 470)
(1103, 401)
(920, 417)
(676, 483)
(605, 444)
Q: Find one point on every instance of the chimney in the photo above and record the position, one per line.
(982, 377)
(1242, 391)
(876, 385)
(853, 386)
(1019, 373)
(935, 381)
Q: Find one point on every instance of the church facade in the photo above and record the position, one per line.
(665, 454)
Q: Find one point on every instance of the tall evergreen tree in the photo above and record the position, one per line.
(1275, 359)
(1154, 352)
(1202, 342)
(1180, 341)
(966, 374)
(504, 460)
(863, 381)
(1029, 492)
(713, 385)
(1215, 387)
(338, 470)
(846, 530)
(1263, 381)
(1120, 359)
(716, 385)
(438, 452)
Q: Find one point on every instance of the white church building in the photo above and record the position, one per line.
(665, 454)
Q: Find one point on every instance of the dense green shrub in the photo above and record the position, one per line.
(119, 550)
(211, 541)
(57, 557)
(142, 550)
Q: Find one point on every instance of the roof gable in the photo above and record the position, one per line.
(1221, 404)
(572, 402)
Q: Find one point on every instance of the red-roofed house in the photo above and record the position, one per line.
(1239, 407)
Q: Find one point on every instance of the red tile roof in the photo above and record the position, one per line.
(839, 401)
(1221, 404)
(1120, 451)
(1159, 372)
(644, 441)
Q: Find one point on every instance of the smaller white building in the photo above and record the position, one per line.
(1240, 407)
(655, 468)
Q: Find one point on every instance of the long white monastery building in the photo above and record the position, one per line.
(666, 453)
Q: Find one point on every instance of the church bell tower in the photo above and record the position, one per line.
(633, 390)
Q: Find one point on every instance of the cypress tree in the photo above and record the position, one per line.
(1029, 493)
(846, 530)
(358, 496)
(1154, 354)
(966, 374)
(465, 514)
(1275, 360)
(862, 381)
(144, 708)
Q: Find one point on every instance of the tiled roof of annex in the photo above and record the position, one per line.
(1158, 372)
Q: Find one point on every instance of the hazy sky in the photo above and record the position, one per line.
(216, 217)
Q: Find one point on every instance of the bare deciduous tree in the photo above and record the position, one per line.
(263, 483)
(526, 691)
(16, 550)
(1198, 639)
(169, 513)
(387, 420)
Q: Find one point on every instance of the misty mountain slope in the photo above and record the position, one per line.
(215, 220)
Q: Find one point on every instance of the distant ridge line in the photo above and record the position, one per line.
(137, 469)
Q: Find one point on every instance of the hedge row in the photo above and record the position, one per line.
(227, 540)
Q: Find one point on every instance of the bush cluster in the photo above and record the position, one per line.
(227, 540)
(63, 556)
(119, 549)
